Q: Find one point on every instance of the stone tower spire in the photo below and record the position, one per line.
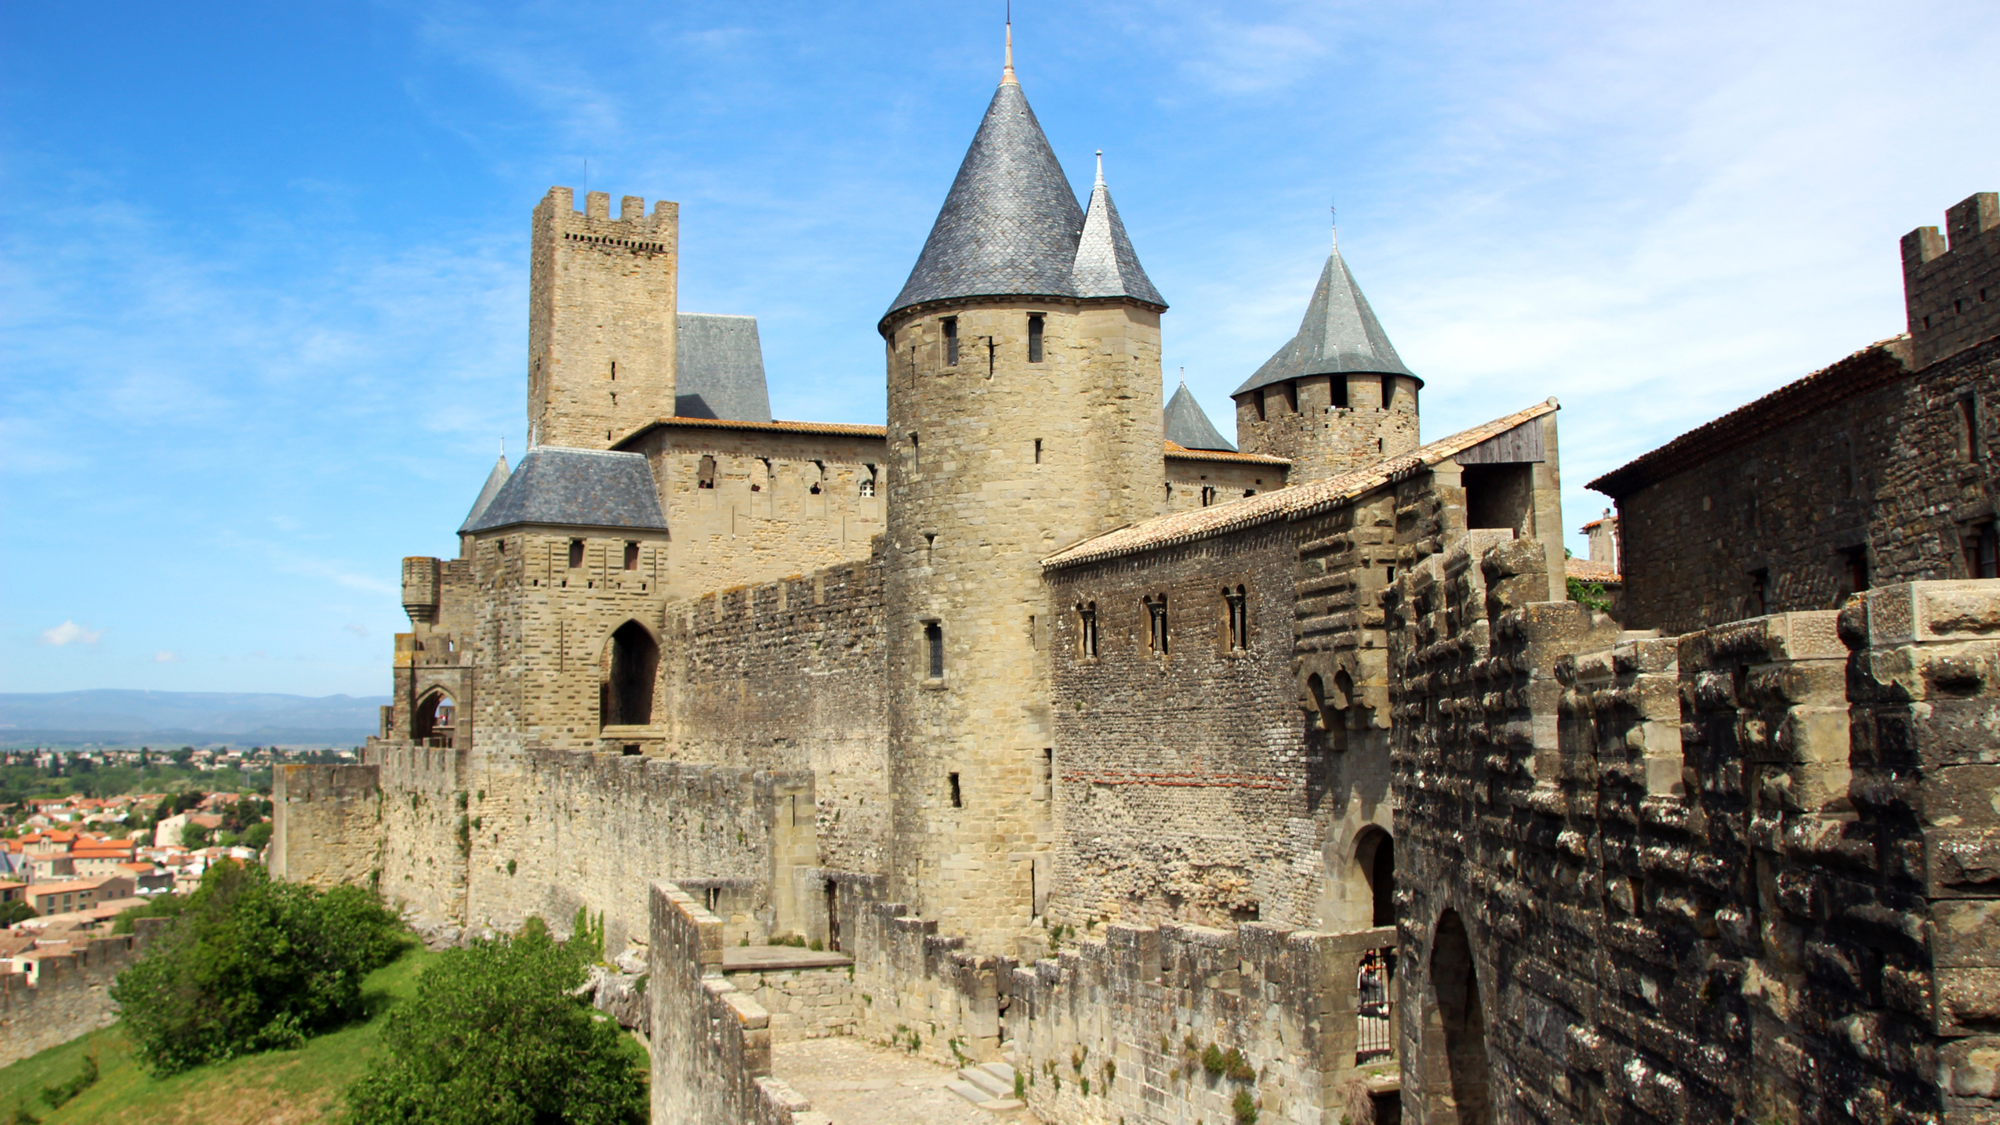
(1024, 414)
(1336, 396)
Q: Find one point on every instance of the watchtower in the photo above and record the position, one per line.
(1952, 290)
(1024, 414)
(601, 318)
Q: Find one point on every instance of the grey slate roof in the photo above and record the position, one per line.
(1106, 265)
(720, 369)
(1187, 425)
(1010, 225)
(1338, 335)
(487, 492)
(576, 488)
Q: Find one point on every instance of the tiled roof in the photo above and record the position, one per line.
(494, 482)
(1187, 424)
(1338, 335)
(1590, 571)
(1286, 503)
(1876, 365)
(719, 368)
(577, 488)
(1178, 453)
(837, 429)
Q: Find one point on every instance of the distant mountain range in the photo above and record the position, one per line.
(192, 718)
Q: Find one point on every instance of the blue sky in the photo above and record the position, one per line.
(263, 268)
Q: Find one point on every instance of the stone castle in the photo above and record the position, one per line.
(1079, 741)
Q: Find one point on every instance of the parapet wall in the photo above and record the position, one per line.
(789, 676)
(326, 823)
(1951, 282)
(1725, 876)
(73, 994)
(711, 1042)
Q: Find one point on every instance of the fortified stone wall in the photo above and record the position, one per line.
(424, 827)
(73, 995)
(789, 676)
(1199, 480)
(1951, 283)
(711, 1041)
(1657, 877)
(751, 503)
(1183, 785)
(331, 830)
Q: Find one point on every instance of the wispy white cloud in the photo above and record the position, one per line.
(70, 633)
(165, 656)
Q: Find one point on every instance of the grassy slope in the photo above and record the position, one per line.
(280, 1086)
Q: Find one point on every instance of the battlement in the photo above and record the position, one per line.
(632, 229)
(1951, 289)
(71, 996)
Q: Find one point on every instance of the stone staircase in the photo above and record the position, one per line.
(990, 1086)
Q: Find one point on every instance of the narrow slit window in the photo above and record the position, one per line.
(1969, 446)
(705, 474)
(934, 645)
(1336, 388)
(1388, 391)
(1291, 396)
(951, 341)
(916, 452)
(1156, 614)
(1982, 551)
(868, 482)
(575, 553)
(1038, 451)
(957, 795)
(1236, 602)
(1035, 338)
(631, 556)
(1086, 630)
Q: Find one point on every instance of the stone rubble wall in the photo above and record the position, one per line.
(711, 1041)
(803, 1003)
(72, 996)
(1731, 875)
(327, 827)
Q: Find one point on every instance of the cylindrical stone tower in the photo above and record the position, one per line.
(1024, 414)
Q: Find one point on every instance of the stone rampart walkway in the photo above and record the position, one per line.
(856, 1082)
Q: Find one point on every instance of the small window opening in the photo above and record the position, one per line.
(1035, 338)
(1156, 612)
(1237, 602)
(1388, 392)
(631, 556)
(1969, 446)
(1982, 551)
(1389, 575)
(1207, 495)
(868, 484)
(1249, 492)
(712, 899)
(1291, 396)
(1927, 323)
(1038, 451)
(1048, 767)
(705, 475)
(629, 750)
(760, 474)
(1258, 397)
(1034, 640)
(614, 370)
(1337, 391)
(957, 797)
(930, 545)
(951, 341)
(1086, 630)
(503, 545)
(916, 452)
(934, 643)
(821, 466)
(1957, 304)
(1854, 560)
(575, 553)
(1170, 492)
(1760, 591)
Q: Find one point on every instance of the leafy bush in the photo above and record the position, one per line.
(16, 911)
(163, 906)
(60, 1094)
(1591, 594)
(253, 965)
(494, 1036)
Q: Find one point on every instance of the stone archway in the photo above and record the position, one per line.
(632, 662)
(1457, 1088)
(435, 721)
(1375, 859)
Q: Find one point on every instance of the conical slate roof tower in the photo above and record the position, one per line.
(1010, 226)
(1188, 425)
(1024, 413)
(1339, 334)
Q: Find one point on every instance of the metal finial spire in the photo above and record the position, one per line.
(1183, 376)
(1335, 209)
(1100, 167)
(1007, 71)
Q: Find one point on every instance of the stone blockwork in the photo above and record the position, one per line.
(332, 834)
(1200, 479)
(711, 1042)
(1329, 424)
(787, 676)
(1951, 283)
(751, 503)
(1182, 779)
(72, 994)
(601, 318)
(1646, 879)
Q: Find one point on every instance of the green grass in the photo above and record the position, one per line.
(278, 1086)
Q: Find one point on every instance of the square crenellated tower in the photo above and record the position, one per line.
(1953, 295)
(601, 318)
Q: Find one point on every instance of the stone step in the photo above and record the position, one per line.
(993, 1084)
(968, 1091)
(1001, 1071)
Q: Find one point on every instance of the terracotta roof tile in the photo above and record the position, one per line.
(1285, 503)
(1590, 571)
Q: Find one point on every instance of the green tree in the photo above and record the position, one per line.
(253, 965)
(12, 912)
(195, 836)
(493, 1036)
(257, 835)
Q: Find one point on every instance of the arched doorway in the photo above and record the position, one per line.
(1375, 856)
(1457, 1089)
(632, 661)
(435, 721)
